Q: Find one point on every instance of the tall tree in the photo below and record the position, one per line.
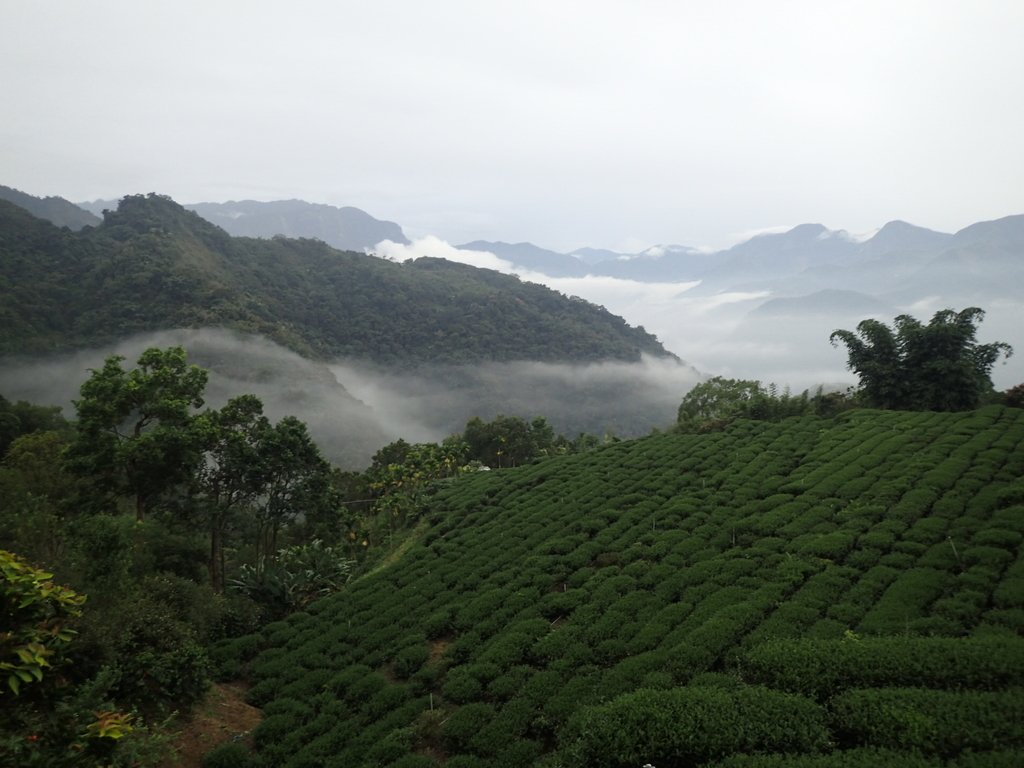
(508, 441)
(716, 398)
(231, 474)
(912, 366)
(255, 475)
(136, 433)
(297, 480)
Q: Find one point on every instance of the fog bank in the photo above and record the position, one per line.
(353, 407)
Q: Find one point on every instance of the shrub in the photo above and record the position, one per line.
(852, 758)
(414, 761)
(409, 660)
(684, 726)
(228, 755)
(462, 686)
(943, 723)
(464, 724)
(823, 667)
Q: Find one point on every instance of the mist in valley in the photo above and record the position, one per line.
(352, 408)
(776, 329)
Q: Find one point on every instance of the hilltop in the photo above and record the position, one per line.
(346, 228)
(425, 345)
(848, 592)
(153, 265)
(56, 210)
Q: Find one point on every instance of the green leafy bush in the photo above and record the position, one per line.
(852, 758)
(228, 755)
(692, 726)
(943, 723)
(823, 667)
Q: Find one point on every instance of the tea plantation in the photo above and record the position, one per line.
(844, 592)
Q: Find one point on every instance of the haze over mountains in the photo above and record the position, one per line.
(424, 345)
(347, 228)
(762, 309)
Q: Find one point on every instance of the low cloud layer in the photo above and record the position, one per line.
(625, 399)
(718, 334)
(353, 407)
(708, 331)
(437, 248)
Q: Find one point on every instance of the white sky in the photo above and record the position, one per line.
(562, 122)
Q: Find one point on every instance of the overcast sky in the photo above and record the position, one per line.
(611, 124)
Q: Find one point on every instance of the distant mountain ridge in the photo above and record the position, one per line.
(346, 228)
(427, 343)
(56, 210)
(806, 246)
(808, 255)
(153, 265)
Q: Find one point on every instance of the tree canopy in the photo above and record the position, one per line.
(159, 266)
(716, 398)
(135, 434)
(912, 366)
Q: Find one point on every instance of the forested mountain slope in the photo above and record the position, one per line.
(844, 592)
(54, 209)
(345, 228)
(152, 265)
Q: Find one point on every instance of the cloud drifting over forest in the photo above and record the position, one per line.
(353, 407)
(705, 330)
(716, 332)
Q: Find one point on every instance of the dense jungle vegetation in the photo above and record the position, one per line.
(153, 265)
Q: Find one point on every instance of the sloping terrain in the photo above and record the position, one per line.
(54, 209)
(847, 592)
(348, 229)
(152, 265)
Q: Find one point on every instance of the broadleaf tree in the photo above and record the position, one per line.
(136, 435)
(716, 399)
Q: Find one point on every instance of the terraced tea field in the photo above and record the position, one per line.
(844, 592)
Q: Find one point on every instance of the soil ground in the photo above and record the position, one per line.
(222, 716)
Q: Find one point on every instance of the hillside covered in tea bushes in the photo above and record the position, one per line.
(845, 592)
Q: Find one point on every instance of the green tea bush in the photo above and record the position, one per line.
(272, 729)
(410, 659)
(683, 726)
(385, 700)
(588, 577)
(508, 684)
(463, 726)
(821, 668)
(228, 755)
(414, 761)
(1004, 758)
(943, 723)
(830, 546)
(851, 758)
(906, 599)
(462, 686)
(557, 604)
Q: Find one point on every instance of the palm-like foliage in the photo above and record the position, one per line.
(912, 366)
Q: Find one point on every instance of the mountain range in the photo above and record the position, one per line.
(427, 343)
(763, 309)
(54, 209)
(347, 228)
(898, 263)
(811, 252)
